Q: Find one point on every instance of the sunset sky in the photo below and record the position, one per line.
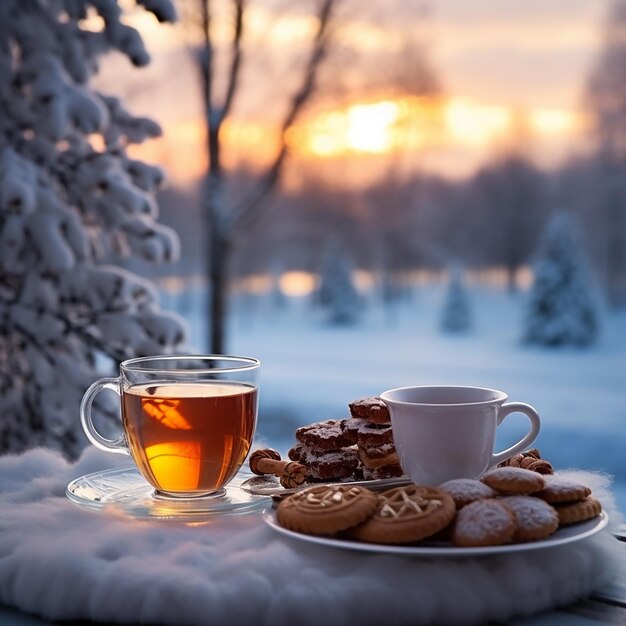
(508, 72)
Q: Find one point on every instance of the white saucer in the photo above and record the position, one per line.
(567, 534)
(125, 490)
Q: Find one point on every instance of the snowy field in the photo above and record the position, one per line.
(311, 370)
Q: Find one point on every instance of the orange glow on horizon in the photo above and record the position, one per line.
(469, 123)
(363, 129)
(296, 283)
(375, 127)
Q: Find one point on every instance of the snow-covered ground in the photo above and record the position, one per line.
(312, 370)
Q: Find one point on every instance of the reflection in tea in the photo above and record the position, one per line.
(189, 438)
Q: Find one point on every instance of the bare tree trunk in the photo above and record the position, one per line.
(616, 250)
(217, 218)
(217, 262)
(223, 221)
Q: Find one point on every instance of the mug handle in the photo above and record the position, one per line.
(531, 435)
(118, 446)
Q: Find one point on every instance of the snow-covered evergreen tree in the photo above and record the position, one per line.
(562, 307)
(337, 293)
(70, 199)
(456, 316)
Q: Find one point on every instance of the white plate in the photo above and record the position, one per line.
(268, 485)
(124, 489)
(565, 535)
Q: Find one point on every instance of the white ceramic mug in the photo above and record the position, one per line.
(446, 432)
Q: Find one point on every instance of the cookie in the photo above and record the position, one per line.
(559, 489)
(374, 435)
(323, 435)
(406, 514)
(380, 473)
(365, 433)
(514, 480)
(371, 409)
(334, 464)
(580, 511)
(486, 522)
(465, 490)
(375, 458)
(534, 518)
(326, 510)
(350, 428)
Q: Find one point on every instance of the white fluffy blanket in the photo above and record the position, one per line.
(61, 561)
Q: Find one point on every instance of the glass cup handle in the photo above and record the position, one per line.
(118, 446)
(522, 444)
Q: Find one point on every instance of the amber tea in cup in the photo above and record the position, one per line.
(188, 421)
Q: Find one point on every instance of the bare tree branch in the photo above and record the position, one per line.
(251, 203)
(235, 61)
(205, 65)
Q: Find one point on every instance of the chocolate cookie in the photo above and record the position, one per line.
(375, 458)
(366, 434)
(371, 409)
(350, 428)
(381, 473)
(321, 465)
(373, 435)
(323, 435)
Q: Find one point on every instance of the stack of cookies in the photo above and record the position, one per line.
(325, 451)
(356, 448)
(516, 504)
(369, 428)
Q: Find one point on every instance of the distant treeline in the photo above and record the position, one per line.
(423, 221)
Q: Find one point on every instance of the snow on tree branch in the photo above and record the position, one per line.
(66, 207)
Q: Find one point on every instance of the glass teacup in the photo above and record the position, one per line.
(188, 420)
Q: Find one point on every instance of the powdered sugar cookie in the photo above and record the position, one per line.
(559, 489)
(534, 518)
(326, 510)
(407, 514)
(514, 480)
(466, 490)
(483, 523)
